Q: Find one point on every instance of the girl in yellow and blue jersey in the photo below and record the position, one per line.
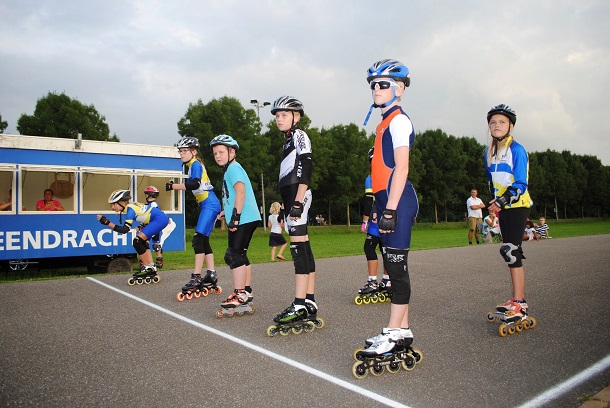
(507, 168)
(199, 184)
(151, 219)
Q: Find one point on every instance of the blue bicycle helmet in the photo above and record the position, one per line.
(225, 140)
(389, 68)
(503, 110)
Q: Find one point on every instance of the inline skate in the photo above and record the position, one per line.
(294, 319)
(374, 292)
(147, 274)
(198, 286)
(312, 314)
(385, 351)
(236, 305)
(513, 317)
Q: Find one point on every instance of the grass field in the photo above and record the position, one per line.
(327, 242)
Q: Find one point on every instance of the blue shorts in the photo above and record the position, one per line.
(158, 221)
(210, 208)
(405, 213)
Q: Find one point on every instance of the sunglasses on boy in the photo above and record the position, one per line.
(382, 84)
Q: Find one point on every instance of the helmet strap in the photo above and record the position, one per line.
(383, 105)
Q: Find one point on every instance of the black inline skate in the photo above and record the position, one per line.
(292, 319)
(198, 286)
(374, 292)
(312, 314)
(237, 304)
(386, 351)
(147, 274)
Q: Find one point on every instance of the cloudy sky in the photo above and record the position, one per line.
(141, 63)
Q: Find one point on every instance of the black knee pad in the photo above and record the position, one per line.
(300, 258)
(512, 254)
(201, 244)
(369, 248)
(234, 258)
(310, 258)
(140, 245)
(395, 261)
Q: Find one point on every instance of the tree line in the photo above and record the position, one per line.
(443, 168)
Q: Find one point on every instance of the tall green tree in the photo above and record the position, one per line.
(58, 115)
(3, 125)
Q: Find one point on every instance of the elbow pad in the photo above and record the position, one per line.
(193, 184)
(123, 229)
(367, 205)
(304, 169)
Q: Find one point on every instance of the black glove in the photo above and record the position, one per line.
(234, 222)
(386, 223)
(297, 210)
(104, 220)
(169, 186)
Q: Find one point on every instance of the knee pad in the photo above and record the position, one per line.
(310, 258)
(201, 244)
(140, 245)
(512, 254)
(395, 261)
(369, 248)
(300, 258)
(234, 258)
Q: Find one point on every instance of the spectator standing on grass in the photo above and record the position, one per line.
(276, 223)
(474, 205)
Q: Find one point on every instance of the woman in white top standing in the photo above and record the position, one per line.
(276, 239)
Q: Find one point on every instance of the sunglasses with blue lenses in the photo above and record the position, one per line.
(382, 84)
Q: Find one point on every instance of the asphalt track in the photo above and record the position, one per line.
(99, 342)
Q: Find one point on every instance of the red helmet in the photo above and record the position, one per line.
(151, 191)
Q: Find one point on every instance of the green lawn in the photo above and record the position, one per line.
(331, 241)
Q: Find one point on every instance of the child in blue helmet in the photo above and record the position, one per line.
(241, 211)
(199, 184)
(395, 198)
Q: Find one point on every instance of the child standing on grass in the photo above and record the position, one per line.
(276, 239)
(199, 184)
(240, 205)
(294, 180)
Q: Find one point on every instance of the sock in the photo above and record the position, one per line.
(249, 289)
(372, 278)
(299, 301)
(310, 296)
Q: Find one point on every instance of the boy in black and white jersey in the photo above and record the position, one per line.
(294, 181)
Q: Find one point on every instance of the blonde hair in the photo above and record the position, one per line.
(495, 146)
(275, 208)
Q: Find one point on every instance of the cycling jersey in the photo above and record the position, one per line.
(152, 219)
(510, 168)
(395, 130)
(235, 173)
(196, 170)
(295, 167)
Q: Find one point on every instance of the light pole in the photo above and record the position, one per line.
(259, 105)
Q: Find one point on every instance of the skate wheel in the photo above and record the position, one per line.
(377, 369)
(358, 300)
(189, 295)
(218, 290)
(156, 279)
(511, 330)
(359, 370)
(491, 317)
(131, 281)
(502, 330)
(374, 299)
(393, 367)
(408, 363)
(197, 294)
(147, 280)
(309, 327)
(204, 292)
(252, 310)
(239, 313)
(519, 327)
(180, 296)
(218, 314)
(417, 354)
(229, 315)
(297, 329)
(284, 330)
(319, 323)
(358, 353)
(271, 330)
(366, 300)
(532, 322)
(140, 281)
(381, 297)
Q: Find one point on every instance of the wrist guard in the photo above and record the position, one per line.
(387, 222)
